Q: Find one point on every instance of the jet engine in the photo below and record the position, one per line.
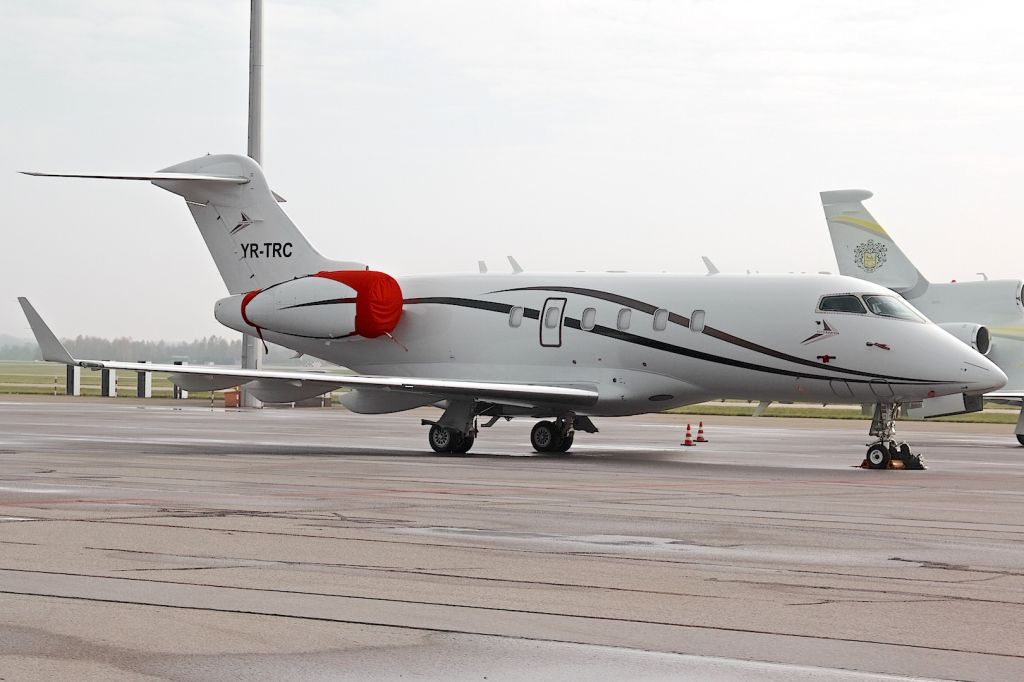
(974, 335)
(327, 305)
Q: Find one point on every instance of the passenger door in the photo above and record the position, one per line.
(551, 322)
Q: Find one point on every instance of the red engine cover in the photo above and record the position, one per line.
(378, 299)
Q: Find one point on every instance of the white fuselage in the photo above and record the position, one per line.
(759, 339)
(996, 304)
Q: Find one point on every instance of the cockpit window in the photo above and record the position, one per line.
(891, 306)
(845, 303)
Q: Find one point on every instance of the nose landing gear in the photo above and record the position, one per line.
(887, 453)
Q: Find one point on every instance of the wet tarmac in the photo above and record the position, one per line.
(145, 540)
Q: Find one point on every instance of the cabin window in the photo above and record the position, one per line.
(697, 321)
(515, 317)
(891, 306)
(623, 321)
(552, 316)
(660, 320)
(588, 319)
(846, 303)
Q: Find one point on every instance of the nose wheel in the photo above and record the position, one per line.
(886, 452)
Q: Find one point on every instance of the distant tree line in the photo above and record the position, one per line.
(211, 349)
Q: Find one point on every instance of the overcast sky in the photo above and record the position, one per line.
(422, 136)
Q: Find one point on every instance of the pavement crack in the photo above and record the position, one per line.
(424, 628)
(178, 568)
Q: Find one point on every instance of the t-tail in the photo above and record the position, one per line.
(864, 249)
(252, 240)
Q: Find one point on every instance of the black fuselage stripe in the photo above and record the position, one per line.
(707, 331)
(329, 301)
(635, 339)
(505, 308)
(707, 357)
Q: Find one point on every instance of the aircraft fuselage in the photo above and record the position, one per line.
(650, 342)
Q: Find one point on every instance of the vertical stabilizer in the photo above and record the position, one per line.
(252, 240)
(863, 248)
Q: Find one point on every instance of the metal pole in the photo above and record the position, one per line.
(256, 81)
(252, 357)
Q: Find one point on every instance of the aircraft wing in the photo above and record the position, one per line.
(1005, 395)
(198, 377)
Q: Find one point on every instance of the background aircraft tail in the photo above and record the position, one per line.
(863, 248)
(252, 240)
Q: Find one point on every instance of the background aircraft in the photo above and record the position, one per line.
(559, 347)
(988, 315)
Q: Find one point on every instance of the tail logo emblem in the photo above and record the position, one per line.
(870, 255)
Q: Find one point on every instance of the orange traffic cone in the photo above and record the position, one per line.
(689, 437)
(700, 433)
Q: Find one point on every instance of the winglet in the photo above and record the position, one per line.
(53, 350)
(712, 270)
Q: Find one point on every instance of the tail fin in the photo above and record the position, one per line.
(863, 248)
(252, 240)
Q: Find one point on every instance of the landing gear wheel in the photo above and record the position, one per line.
(545, 437)
(566, 442)
(443, 440)
(1020, 438)
(878, 456)
(909, 459)
(465, 445)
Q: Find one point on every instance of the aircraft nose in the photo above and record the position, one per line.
(982, 375)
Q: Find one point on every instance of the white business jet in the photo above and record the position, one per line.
(987, 315)
(557, 347)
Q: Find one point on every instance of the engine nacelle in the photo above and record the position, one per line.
(974, 335)
(327, 305)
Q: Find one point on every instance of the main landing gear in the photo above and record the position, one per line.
(449, 441)
(556, 436)
(456, 431)
(887, 452)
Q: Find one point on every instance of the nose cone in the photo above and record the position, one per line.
(981, 375)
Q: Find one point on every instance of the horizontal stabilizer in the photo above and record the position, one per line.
(844, 196)
(230, 179)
